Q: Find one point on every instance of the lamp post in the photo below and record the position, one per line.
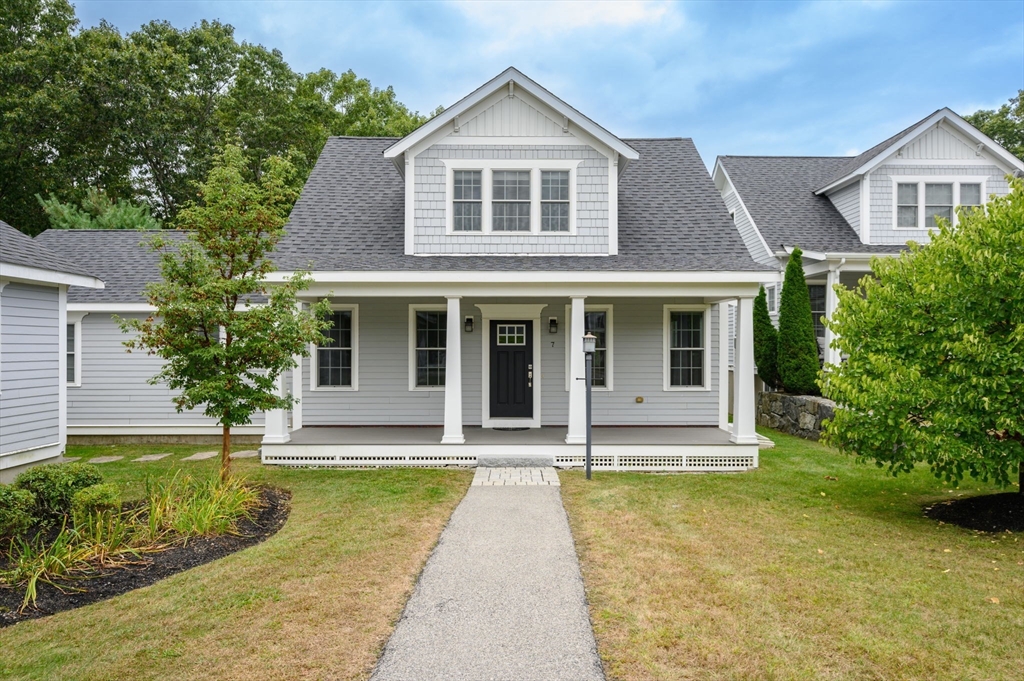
(589, 346)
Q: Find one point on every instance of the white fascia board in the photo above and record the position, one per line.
(45, 276)
(948, 115)
(739, 197)
(519, 277)
(110, 307)
(501, 80)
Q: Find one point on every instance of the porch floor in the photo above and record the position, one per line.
(475, 435)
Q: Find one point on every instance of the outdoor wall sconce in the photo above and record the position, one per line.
(552, 324)
(469, 325)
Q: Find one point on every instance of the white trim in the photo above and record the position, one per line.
(520, 141)
(865, 209)
(722, 310)
(36, 275)
(453, 373)
(725, 174)
(314, 381)
(75, 318)
(529, 312)
(951, 118)
(161, 429)
(62, 365)
(613, 204)
(413, 309)
(743, 416)
(410, 204)
(773, 306)
(609, 333)
(487, 167)
(534, 276)
(446, 119)
(110, 307)
(921, 181)
(22, 457)
(666, 358)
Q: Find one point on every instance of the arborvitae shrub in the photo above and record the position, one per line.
(766, 342)
(798, 346)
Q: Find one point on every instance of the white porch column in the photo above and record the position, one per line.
(743, 375)
(453, 376)
(276, 426)
(297, 384)
(831, 303)
(577, 434)
(722, 312)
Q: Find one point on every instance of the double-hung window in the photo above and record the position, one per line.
(336, 359)
(467, 201)
(938, 203)
(970, 194)
(430, 338)
(920, 202)
(817, 294)
(771, 298)
(906, 205)
(596, 323)
(554, 201)
(686, 350)
(510, 204)
(72, 355)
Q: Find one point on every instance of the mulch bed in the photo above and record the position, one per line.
(104, 584)
(987, 513)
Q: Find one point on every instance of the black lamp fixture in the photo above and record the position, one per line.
(552, 324)
(469, 324)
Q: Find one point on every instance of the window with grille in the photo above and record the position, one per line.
(467, 204)
(970, 194)
(770, 293)
(431, 344)
(686, 349)
(817, 294)
(554, 201)
(921, 203)
(511, 334)
(72, 370)
(334, 360)
(938, 203)
(510, 201)
(596, 324)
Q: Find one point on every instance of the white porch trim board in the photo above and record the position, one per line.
(277, 419)
(577, 431)
(722, 312)
(453, 375)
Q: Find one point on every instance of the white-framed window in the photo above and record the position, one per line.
(428, 344)
(335, 365)
(920, 200)
(510, 196)
(817, 293)
(597, 320)
(771, 296)
(687, 363)
(73, 350)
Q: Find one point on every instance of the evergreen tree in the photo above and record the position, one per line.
(798, 346)
(766, 342)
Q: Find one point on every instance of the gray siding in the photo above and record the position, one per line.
(883, 205)
(384, 396)
(115, 389)
(747, 231)
(30, 329)
(847, 202)
(591, 202)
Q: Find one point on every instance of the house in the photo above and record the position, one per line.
(110, 396)
(38, 350)
(843, 211)
(464, 264)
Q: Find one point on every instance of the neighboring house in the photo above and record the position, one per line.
(464, 263)
(38, 349)
(843, 211)
(111, 394)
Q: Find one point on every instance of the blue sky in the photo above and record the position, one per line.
(827, 78)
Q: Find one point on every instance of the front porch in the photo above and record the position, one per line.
(614, 448)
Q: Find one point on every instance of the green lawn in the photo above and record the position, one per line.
(317, 600)
(784, 573)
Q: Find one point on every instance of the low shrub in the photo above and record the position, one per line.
(17, 511)
(96, 500)
(55, 484)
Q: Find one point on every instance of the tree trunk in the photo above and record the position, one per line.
(225, 455)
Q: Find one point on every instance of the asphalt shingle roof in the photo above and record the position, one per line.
(119, 257)
(351, 217)
(20, 249)
(778, 191)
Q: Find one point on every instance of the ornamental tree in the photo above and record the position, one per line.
(224, 335)
(935, 372)
(766, 342)
(798, 346)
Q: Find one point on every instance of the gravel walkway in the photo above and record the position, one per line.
(501, 597)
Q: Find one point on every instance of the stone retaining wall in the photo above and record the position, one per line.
(799, 415)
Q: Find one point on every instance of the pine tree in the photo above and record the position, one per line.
(798, 347)
(766, 342)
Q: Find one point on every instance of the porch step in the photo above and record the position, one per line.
(515, 460)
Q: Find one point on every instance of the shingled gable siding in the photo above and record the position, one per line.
(384, 396)
(847, 202)
(115, 389)
(882, 205)
(29, 337)
(591, 208)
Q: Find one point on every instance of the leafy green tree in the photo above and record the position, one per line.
(798, 346)
(766, 342)
(97, 211)
(221, 352)
(1005, 125)
(935, 345)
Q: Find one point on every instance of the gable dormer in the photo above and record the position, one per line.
(511, 170)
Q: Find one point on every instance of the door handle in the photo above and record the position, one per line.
(529, 379)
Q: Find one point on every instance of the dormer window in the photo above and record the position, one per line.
(467, 201)
(921, 201)
(511, 202)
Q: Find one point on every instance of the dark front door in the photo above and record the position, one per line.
(511, 369)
